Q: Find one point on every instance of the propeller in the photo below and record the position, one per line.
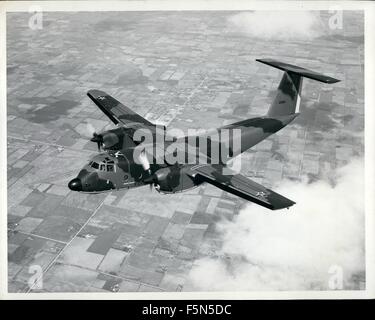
(144, 161)
(98, 138)
(150, 179)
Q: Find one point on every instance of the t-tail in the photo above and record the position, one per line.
(283, 110)
(288, 96)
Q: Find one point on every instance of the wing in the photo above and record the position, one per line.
(118, 112)
(241, 186)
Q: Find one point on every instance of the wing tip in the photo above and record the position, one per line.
(94, 93)
(284, 206)
(279, 202)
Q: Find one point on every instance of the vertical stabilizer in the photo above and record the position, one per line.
(288, 95)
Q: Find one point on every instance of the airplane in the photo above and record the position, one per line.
(117, 168)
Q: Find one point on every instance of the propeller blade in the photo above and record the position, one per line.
(90, 129)
(95, 137)
(151, 179)
(144, 161)
(98, 138)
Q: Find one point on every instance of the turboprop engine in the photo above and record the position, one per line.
(111, 139)
(165, 179)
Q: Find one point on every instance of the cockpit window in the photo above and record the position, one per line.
(95, 165)
(106, 165)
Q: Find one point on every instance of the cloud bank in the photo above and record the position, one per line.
(295, 249)
(278, 25)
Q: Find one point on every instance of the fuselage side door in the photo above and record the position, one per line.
(124, 179)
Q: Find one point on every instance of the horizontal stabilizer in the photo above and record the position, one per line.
(298, 70)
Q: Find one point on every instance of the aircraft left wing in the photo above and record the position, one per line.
(241, 186)
(117, 112)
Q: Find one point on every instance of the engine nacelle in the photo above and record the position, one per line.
(111, 140)
(167, 179)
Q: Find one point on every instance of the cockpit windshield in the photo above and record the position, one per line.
(94, 165)
(105, 165)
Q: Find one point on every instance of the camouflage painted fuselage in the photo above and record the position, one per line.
(113, 170)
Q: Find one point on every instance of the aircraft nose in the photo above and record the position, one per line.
(75, 185)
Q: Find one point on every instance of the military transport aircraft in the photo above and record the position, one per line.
(117, 167)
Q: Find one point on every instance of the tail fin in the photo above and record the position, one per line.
(288, 95)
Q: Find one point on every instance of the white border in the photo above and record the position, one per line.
(213, 5)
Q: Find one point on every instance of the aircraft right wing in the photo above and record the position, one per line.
(118, 112)
(241, 186)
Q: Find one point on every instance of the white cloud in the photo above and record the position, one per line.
(292, 249)
(278, 25)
